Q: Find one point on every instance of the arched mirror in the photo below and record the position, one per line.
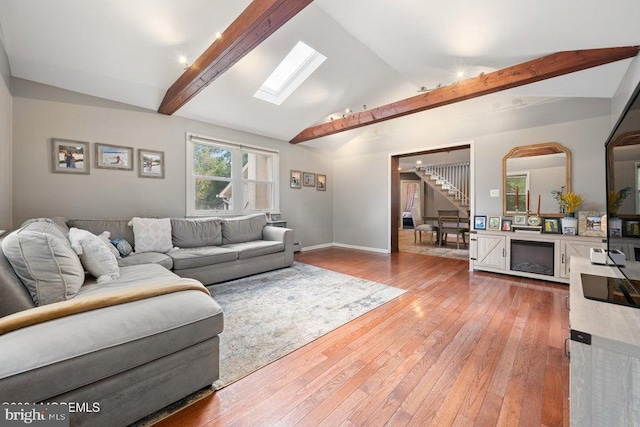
(535, 170)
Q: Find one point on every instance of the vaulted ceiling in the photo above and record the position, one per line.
(378, 52)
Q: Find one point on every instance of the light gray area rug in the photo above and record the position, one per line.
(269, 315)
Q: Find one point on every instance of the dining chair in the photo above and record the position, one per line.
(449, 221)
(419, 226)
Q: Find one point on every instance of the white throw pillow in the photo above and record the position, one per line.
(105, 238)
(95, 255)
(151, 234)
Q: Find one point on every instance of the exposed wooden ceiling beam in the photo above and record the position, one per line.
(553, 65)
(257, 22)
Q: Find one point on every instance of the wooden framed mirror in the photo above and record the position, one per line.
(624, 171)
(538, 169)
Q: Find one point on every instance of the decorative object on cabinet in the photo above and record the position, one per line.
(506, 225)
(309, 179)
(519, 220)
(150, 163)
(480, 222)
(69, 156)
(494, 223)
(322, 183)
(592, 223)
(114, 157)
(295, 179)
(551, 226)
(631, 228)
(537, 168)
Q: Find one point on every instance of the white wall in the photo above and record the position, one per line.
(5, 141)
(362, 206)
(42, 112)
(625, 89)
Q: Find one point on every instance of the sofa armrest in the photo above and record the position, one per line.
(280, 234)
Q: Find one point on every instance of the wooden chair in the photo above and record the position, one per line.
(419, 226)
(449, 221)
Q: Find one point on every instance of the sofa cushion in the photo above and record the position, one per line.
(117, 227)
(195, 233)
(256, 248)
(151, 234)
(60, 221)
(42, 257)
(95, 255)
(146, 258)
(243, 229)
(198, 257)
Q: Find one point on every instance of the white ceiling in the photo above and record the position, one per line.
(378, 52)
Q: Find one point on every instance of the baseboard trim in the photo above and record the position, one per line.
(345, 246)
(362, 248)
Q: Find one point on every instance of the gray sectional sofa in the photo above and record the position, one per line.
(134, 356)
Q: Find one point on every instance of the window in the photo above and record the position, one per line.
(517, 183)
(224, 177)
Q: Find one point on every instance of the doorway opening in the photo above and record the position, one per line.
(425, 183)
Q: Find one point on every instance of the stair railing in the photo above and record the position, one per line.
(452, 177)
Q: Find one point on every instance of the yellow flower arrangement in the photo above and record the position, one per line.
(614, 200)
(568, 202)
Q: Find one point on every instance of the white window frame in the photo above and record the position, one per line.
(236, 180)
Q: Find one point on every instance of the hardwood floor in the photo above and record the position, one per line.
(457, 349)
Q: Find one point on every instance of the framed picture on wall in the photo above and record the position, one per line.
(295, 179)
(322, 183)
(150, 164)
(68, 156)
(114, 157)
(480, 222)
(309, 179)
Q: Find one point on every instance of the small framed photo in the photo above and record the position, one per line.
(480, 222)
(519, 220)
(275, 217)
(494, 223)
(295, 179)
(569, 231)
(631, 228)
(150, 164)
(321, 185)
(590, 224)
(552, 226)
(69, 156)
(309, 179)
(506, 225)
(114, 157)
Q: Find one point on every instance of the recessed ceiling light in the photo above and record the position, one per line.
(460, 73)
(419, 162)
(218, 35)
(182, 59)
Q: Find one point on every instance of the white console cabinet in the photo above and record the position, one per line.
(492, 251)
(604, 354)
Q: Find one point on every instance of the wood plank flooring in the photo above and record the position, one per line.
(459, 348)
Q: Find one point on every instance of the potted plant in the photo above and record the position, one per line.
(569, 203)
(614, 201)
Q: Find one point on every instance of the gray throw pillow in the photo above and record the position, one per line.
(42, 257)
(196, 233)
(243, 229)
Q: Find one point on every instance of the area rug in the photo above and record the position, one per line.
(269, 315)
(406, 244)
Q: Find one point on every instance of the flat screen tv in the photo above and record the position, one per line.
(623, 190)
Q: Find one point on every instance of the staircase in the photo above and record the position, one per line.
(450, 180)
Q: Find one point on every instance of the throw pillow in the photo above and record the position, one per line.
(42, 257)
(151, 234)
(104, 236)
(94, 255)
(124, 248)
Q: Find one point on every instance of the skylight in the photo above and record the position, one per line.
(294, 69)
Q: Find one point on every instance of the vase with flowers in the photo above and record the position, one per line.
(569, 203)
(614, 201)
